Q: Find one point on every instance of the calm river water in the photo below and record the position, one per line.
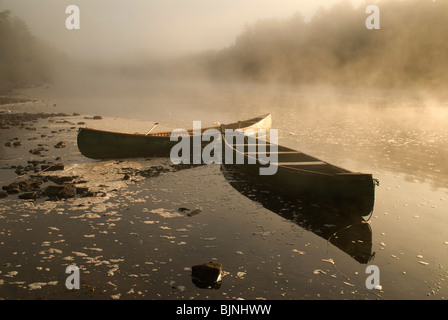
(268, 250)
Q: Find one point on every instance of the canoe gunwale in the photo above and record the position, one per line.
(163, 134)
(102, 144)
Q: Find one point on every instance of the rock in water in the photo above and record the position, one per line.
(207, 274)
(31, 184)
(52, 167)
(57, 192)
(29, 195)
(60, 144)
(194, 212)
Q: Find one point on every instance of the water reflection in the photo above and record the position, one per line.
(350, 233)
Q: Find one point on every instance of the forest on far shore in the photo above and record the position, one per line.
(334, 47)
(23, 57)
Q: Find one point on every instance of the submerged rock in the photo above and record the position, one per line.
(85, 192)
(57, 192)
(207, 274)
(12, 188)
(38, 150)
(31, 184)
(94, 118)
(62, 180)
(52, 167)
(194, 212)
(29, 195)
(60, 144)
(189, 212)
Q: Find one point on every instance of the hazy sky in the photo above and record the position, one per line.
(127, 28)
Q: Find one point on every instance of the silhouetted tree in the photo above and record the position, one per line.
(335, 47)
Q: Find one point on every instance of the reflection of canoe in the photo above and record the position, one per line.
(98, 144)
(349, 233)
(302, 175)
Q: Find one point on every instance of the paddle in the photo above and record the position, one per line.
(155, 124)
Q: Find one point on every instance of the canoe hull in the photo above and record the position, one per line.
(299, 175)
(99, 144)
(350, 192)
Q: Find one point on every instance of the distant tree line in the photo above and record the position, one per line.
(23, 58)
(335, 47)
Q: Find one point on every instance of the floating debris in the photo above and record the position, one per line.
(36, 285)
(318, 271)
(347, 283)
(166, 213)
(328, 260)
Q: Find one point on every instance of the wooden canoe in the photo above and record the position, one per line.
(303, 176)
(99, 144)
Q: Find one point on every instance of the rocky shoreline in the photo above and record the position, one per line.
(8, 119)
(28, 186)
(41, 174)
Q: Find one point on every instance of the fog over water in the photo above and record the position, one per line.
(116, 30)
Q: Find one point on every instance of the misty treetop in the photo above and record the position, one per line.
(335, 47)
(23, 58)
